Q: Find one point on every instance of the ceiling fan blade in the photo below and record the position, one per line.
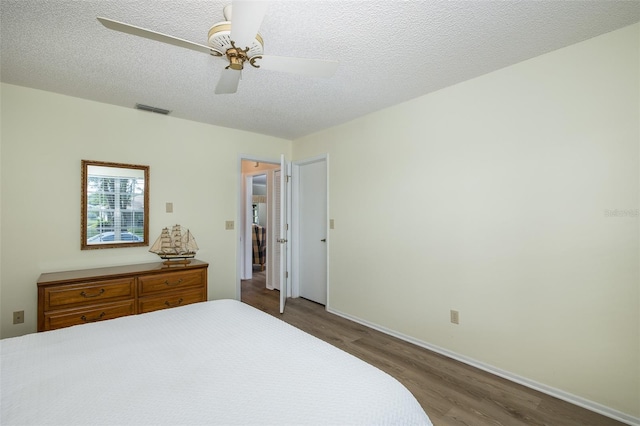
(309, 67)
(153, 35)
(246, 17)
(228, 82)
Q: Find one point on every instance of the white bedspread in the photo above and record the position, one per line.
(219, 362)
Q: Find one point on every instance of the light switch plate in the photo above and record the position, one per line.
(228, 225)
(455, 317)
(169, 207)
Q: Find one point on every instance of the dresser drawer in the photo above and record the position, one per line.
(63, 296)
(150, 284)
(170, 300)
(69, 317)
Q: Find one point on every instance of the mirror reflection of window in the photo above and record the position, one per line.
(255, 214)
(259, 191)
(114, 204)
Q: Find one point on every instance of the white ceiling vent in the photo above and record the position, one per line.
(152, 109)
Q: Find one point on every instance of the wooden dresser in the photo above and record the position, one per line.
(78, 297)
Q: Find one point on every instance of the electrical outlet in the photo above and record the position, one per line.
(18, 317)
(228, 225)
(455, 317)
(169, 207)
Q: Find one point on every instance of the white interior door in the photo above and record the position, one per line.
(275, 226)
(312, 231)
(283, 238)
(247, 264)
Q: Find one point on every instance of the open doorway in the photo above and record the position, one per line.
(257, 223)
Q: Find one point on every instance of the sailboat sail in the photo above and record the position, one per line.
(190, 243)
(175, 244)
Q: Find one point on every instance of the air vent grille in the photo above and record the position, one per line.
(152, 109)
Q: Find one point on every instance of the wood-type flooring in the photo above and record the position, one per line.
(451, 392)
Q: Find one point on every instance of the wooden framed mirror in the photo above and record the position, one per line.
(115, 205)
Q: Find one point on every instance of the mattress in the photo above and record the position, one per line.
(217, 362)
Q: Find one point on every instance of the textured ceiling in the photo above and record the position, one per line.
(389, 52)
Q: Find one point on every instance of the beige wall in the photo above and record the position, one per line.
(44, 137)
(490, 198)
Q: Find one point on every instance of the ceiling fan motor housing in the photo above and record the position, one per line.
(220, 40)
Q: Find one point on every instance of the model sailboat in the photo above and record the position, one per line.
(175, 245)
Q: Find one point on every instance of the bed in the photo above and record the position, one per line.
(216, 362)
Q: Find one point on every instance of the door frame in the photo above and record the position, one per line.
(295, 228)
(241, 216)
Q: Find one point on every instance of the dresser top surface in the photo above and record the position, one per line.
(116, 271)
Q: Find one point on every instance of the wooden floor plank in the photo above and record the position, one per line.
(452, 393)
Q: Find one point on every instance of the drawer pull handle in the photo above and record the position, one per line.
(84, 294)
(166, 282)
(98, 318)
(176, 304)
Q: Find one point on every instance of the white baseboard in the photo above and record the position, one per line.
(557, 393)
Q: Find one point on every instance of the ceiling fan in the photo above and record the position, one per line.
(239, 42)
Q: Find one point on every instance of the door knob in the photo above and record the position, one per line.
(324, 240)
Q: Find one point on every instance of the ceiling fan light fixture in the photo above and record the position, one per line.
(237, 58)
(236, 63)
